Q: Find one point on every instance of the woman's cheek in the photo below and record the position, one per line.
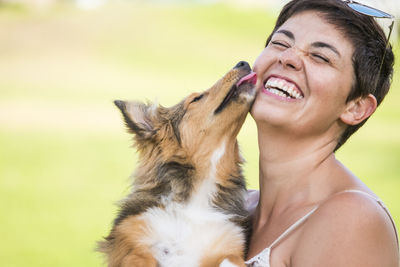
(261, 63)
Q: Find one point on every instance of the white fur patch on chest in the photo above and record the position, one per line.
(179, 234)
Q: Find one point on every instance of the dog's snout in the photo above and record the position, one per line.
(243, 65)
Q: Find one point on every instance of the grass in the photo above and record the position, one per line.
(65, 157)
(54, 199)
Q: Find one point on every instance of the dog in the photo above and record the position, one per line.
(187, 205)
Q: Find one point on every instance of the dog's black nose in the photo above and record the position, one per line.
(243, 65)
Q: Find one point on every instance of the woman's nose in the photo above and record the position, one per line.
(291, 58)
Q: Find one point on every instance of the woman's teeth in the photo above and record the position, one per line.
(282, 88)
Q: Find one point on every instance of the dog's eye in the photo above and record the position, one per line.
(197, 98)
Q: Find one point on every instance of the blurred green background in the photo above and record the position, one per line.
(65, 158)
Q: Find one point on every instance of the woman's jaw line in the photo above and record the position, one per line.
(277, 143)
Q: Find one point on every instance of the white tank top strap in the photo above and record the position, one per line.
(292, 227)
(302, 219)
(262, 259)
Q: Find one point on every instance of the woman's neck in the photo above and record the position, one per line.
(293, 172)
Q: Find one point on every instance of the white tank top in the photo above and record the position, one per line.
(262, 259)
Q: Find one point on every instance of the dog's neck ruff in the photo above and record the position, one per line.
(194, 223)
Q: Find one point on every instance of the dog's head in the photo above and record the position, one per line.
(194, 128)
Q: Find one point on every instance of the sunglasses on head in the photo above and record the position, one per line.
(372, 12)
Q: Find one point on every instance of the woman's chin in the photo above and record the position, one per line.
(262, 114)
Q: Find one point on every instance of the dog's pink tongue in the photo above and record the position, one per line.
(249, 78)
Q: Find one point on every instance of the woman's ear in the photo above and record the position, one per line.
(359, 109)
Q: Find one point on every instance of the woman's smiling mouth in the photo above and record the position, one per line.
(283, 88)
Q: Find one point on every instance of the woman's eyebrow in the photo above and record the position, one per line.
(325, 45)
(289, 34)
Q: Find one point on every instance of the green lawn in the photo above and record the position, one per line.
(65, 158)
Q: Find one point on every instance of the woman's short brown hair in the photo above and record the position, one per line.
(371, 75)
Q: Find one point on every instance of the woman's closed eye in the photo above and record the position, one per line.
(320, 58)
(316, 56)
(280, 44)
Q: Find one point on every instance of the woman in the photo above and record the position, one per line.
(323, 72)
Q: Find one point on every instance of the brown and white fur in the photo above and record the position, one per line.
(187, 206)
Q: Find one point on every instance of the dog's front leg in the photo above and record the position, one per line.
(125, 246)
(135, 260)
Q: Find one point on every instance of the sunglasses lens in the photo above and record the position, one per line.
(369, 11)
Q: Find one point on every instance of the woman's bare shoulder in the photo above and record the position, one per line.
(349, 229)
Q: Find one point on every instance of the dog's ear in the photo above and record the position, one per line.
(138, 118)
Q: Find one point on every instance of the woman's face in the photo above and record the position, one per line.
(304, 76)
